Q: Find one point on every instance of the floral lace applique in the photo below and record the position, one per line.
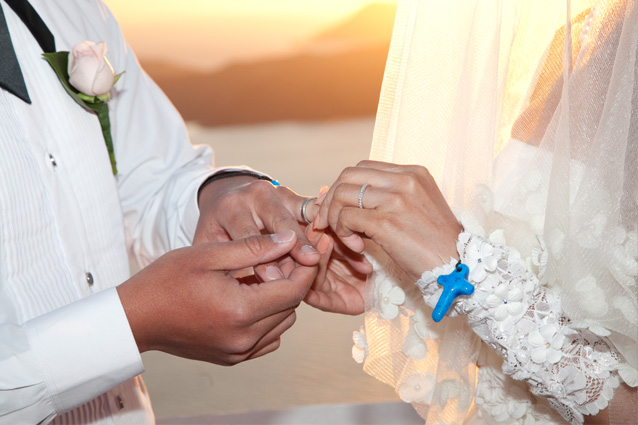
(503, 400)
(390, 298)
(575, 370)
(360, 347)
(505, 301)
(418, 388)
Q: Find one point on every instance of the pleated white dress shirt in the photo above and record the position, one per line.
(66, 224)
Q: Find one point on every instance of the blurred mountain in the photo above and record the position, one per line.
(335, 75)
(370, 26)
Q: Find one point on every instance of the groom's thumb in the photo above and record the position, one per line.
(252, 251)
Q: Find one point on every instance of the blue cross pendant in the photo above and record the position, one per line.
(454, 284)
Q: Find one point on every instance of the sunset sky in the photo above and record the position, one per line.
(211, 33)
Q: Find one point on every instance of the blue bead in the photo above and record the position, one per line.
(454, 285)
(275, 183)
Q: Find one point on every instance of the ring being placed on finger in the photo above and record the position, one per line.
(361, 192)
(304, 206)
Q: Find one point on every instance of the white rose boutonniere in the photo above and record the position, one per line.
(87, 76)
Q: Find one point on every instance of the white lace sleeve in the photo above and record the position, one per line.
(523, 322)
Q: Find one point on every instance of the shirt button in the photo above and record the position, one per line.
(89, 278)
(54, 163)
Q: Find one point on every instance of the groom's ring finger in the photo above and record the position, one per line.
(304, 210)
(277, 218)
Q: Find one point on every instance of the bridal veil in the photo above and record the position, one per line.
(526, 114)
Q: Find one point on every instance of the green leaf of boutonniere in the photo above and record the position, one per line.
(59, 63)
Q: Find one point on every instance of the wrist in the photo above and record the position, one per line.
(234, 175)
(135, 311)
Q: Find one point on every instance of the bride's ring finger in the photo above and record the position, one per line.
(346, 195)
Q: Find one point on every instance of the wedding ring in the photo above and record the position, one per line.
(361, 192)
(304, 205)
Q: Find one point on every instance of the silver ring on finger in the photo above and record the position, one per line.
(304, 206)
(361, 193)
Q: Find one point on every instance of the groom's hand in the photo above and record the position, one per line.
(188, 304)
(242, 206)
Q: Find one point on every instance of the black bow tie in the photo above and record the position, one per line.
(11, 78)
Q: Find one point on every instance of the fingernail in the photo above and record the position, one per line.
(312, 235)
(322, 194)
(273, 273)
(308, 249)
(324, 244)
(282, 237)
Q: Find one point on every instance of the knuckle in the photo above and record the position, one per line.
(424, 172)
(347, 173)
(245, 230)
(408, 181)
(261, 187)
(292, 318)
(420, 174)
(276, 344)
(282, 218)
(234, 359)
(414, 169)
(243, 344)
(344, 218)
(242, 314)
(340, 192)
(254, 245)
(333, 218)
(400, 204)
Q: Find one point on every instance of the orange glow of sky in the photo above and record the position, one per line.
(211, 33)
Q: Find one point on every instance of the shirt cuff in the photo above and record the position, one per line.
(84, 349)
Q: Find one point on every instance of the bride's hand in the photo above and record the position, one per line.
(403, 211)
(341, 280)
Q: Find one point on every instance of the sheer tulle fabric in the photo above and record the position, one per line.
(526, 114)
